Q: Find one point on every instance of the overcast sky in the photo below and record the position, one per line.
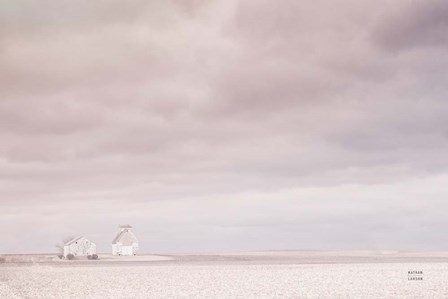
(224, 125)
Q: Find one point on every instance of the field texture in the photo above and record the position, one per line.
(188, 277)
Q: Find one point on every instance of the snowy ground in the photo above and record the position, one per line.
(243, 275)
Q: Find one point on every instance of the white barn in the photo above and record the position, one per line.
(79, 246)
(125, 243)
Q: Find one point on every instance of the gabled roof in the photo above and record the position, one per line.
(73, 240)
(76, 239)
(125, 237)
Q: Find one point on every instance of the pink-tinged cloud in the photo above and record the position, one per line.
(224, 125)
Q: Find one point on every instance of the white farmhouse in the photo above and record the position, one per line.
(79, 246)
(125, 243)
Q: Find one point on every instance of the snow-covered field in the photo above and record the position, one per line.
(248, 275)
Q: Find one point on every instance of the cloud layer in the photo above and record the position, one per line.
(224, 125)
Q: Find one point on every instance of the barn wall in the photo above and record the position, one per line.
(82, 247)
(119, 249)
(114, 249)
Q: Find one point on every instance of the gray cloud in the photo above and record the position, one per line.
(419, 24)
(205, 123)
